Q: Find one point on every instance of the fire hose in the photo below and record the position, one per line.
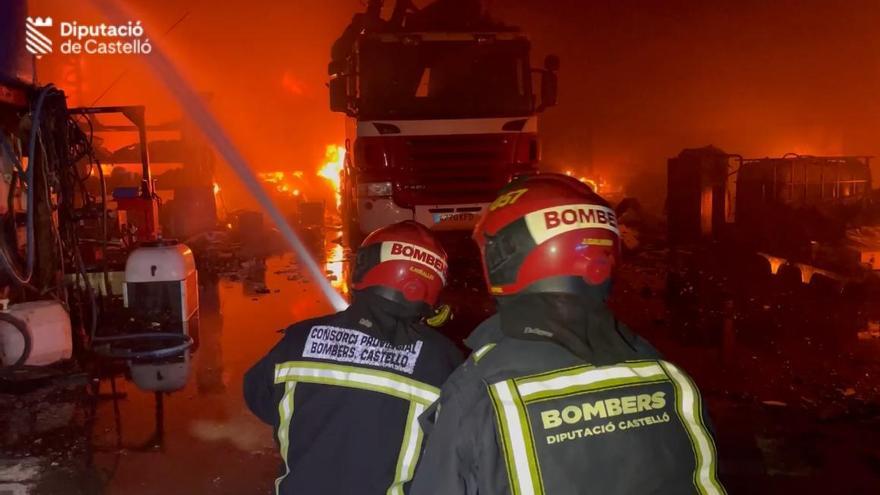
(105, 347)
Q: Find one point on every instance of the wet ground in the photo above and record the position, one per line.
(790, 376)
(207, 441)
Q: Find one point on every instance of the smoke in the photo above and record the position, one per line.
(193, 105)
(262, 66)
(640, 79)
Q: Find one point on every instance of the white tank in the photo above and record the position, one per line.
(48, 325)
(161, 261)
(167, 376)
(161, 290)
(161, 286)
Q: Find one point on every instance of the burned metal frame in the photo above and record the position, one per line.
(136, 115)
(836, 182)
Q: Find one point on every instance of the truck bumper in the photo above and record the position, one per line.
(450, 217)
(377, 213)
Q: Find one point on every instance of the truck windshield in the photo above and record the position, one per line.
(446, 79)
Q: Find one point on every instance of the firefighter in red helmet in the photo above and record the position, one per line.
(344, 392)
(558, 397)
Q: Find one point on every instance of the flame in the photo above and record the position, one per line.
(334, 267)
(334, 159)
(284, 182)
(216, 188)
(272, 177)
(590, 183)
(292, 182)
(597, 185)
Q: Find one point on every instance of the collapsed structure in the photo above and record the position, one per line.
(815, 215)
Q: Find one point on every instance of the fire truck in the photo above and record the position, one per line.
(440, 112)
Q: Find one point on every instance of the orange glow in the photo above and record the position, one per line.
(334, 267)
(294, 183)
(292, 84)
(591, 184)
(272, 177)
(216, 188)
(334, 158)
(284, 182)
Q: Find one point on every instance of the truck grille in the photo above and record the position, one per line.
(456, 169)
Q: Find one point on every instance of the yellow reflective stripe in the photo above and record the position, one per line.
(479, 353)
(689, 405)
(410, 449)
(418, 394)
(354, 377)
(285, 413)
(504, 437)
(509, 398)
(587, 378)
(532, 457)
(574, 370)
(515, 431)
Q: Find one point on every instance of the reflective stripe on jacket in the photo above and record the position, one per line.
(345, 405)
(527, 417)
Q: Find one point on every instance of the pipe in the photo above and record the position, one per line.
(105, 265)
(12, 155)
(165, 352)
(29, 179)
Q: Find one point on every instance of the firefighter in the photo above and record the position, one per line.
(560, 398)
(344, 392)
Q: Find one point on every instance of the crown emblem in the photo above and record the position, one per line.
(36, 42)
(40, 22)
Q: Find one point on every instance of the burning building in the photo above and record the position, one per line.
(166, 213)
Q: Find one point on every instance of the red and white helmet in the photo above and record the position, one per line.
(548, 233)
(402, 262)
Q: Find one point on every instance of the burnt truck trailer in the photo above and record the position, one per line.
(440, 115)
(809, 215)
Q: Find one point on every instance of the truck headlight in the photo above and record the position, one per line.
(375, 189)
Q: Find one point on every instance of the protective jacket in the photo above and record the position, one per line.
(344, 393)
(526, 415)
